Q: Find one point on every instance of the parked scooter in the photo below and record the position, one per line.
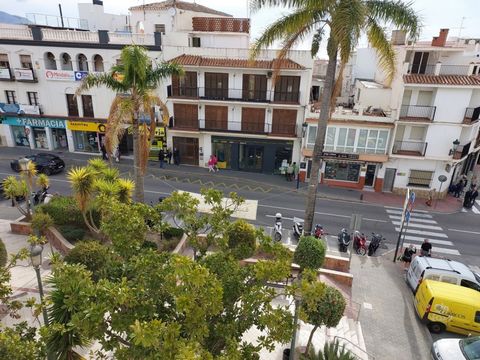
(343, 240)
(374, 243)
(319, 231)
(277, 229)
(40, 195)
(359, 243)
(297, 227)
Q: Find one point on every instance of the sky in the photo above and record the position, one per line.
(435, 14)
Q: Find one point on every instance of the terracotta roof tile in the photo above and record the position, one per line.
(195, 60)
(459, 80)
(164, 5)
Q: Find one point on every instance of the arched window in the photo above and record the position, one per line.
(82, 62)
(66, 62)
(98, 63)
(50, 62)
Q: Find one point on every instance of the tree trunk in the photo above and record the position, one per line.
(309, 343)
(139, 196)
(319, 141)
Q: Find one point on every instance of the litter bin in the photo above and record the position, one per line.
(286, 354)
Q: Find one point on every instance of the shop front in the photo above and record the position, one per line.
(86, 135)
(255, 155)
(37, 133)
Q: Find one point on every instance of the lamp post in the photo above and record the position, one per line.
(36, 259)
(454, 148)
(304, 128)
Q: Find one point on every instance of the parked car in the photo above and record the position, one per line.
(453, 272)
(46, 163)
(448, 307)
(456, 349)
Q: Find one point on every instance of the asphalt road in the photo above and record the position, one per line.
(454, 236)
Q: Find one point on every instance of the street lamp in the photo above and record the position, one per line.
(454, 148)
(304, 128)
(36, 260)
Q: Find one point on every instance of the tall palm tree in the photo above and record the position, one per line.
(344, 21)
(134, 80)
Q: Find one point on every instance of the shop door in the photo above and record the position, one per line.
(187, 149)
(59, 138)
(389, 179)
(251, 157)
(370, 175)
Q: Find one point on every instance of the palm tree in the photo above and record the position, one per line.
(345, 21)
(134, 80)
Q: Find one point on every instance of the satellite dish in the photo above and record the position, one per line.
(172, 11)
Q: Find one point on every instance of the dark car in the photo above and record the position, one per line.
(45, 163)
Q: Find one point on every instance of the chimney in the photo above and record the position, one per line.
(441, 39)
(398, 37)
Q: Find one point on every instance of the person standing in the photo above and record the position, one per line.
(169, 156)
(161, 158)
(408, 255)
(103, 149)
(459, 188)
(176, 156)
(426, 248)
(215, 162)
(210, 164)
(290, 172)
(296, 169)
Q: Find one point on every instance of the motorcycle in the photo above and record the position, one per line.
(359, 243)
(343, 240)
(277, 229)
(40, 196)
(319, 231)
(297, 227)
(374, 243)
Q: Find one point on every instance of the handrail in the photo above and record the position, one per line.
(370, 356)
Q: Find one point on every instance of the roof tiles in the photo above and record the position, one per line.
(455, 80)
(164, 5)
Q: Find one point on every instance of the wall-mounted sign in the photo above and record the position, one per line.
(79, 75)
(85, 126)
(5, 73)
(60, 75)
(35, 122)
(334, 155)
(23, 74)
(19, 109)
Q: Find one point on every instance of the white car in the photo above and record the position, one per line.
(456, 349)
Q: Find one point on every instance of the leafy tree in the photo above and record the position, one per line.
(310, 253)
(346, 21)
(41, 222)
(134, 81)
(19, 343)
(3, 254)
(241, 239)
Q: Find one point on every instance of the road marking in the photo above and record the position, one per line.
(425, 233)
(439, 250)
(426, 221)
(423, 226)
(475, 210)
(433, 241)
(413, 215)
(465, 231)
(319, 213)
(398, 208)
(157, 192)
(283, 218)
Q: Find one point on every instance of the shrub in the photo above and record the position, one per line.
(72, 233)
(241, 239)
(172, 232)
(41, 221)
(3, 254)
(310, 253)
(169, 245)
(327, 309)
(63, 210)
(149, 245)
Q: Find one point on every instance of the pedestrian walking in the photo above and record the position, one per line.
(296, 169)
(470, 197)
(459, 188)
(290, 171)
(161, 158)
(408, 255)
(169, 156)
(211, 164)
(103, 149)
(426, 248)
(116, 154)
(215, 163)
(176, 156)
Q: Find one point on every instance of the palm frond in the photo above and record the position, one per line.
(97, 165)
(256, 5)
(110, 174)
(125, 190)
(120, 115)
(43, 181)
(100, 79)
(386, 53)
(81, 181)
(163, 71)
(136, 64)
(316, 41)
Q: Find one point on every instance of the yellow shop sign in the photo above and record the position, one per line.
(85, 126)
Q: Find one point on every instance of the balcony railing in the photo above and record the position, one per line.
(471, 115)
(411, 148)
(292, 97)
(439, 69)
(461, 151)
(417, 112)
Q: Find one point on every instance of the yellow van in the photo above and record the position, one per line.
(443, 306)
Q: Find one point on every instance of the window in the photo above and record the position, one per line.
(330, 139)
(87, 106)
(254, 87)
(312, 134)
(50, 62)
(82, 62)
(11, 98)
(66, 62)
(420, 178)
(477, 316)
(195, 42)
(216, 85)
(4, 61)
(470, 284)
(417, 133)
(72, 105)
(287, 89)
(32, 97)
(26, 62)
(160, 28)
(342, 171)
(98, 63)
(449, 279)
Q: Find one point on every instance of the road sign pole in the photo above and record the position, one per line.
(398, 241)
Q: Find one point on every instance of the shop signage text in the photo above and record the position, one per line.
(34, 122)
(335, 155)
(5, 73)
(85, 126)
(65, 75)
(23, 74)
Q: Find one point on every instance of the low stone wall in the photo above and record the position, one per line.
(422, 193)
(337, 263)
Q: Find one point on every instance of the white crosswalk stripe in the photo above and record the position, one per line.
(474, 209)
(422, 226)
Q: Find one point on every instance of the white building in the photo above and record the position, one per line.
(423, 126)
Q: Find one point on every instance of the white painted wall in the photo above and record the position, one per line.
(440, 138)
(222, 40)
(451, 104)
(99, 20)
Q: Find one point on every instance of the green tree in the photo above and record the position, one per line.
(3, 254)
(20, 343)
(41, 222)
(134, 81)
(309, 253)
(242, 239)
(345, 21)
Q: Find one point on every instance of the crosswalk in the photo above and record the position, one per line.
(474, 209)
(422, 226)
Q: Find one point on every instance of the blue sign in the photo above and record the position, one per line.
(412, 197)
(407, 216)
(79, 75)
(35, 122)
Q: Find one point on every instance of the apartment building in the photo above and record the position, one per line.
(421, 129)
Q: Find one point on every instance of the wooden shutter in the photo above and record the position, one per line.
(245, 86)
(287, 89)
(284, 122)
(216, 117)
(185, 116)
(175, 85)
(253, 120)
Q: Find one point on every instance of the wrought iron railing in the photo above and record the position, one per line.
(417, 112)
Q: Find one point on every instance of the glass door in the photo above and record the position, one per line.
(370, 175)
(251, 157)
